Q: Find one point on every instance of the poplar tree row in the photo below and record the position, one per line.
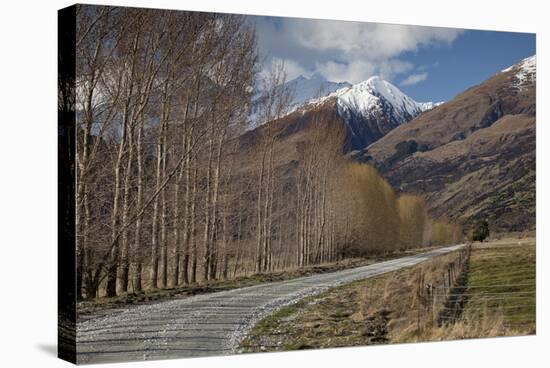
(159, 93)
(171, 190)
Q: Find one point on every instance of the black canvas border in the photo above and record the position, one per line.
(66, 156)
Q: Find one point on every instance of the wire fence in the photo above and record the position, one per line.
(448, 298)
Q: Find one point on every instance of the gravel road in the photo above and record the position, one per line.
(209, 324)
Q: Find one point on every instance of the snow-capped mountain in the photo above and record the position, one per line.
(372, 108)
(525, 72)
(377, 97)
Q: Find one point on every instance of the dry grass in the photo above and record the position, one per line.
(380, 310)
(392, 309)
(414, 309)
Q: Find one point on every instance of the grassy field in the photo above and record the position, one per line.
(497, 290)
(501, 280)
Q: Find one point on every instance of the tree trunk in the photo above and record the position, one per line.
(124, 261)
(176, 213)
(136, 256)
(259, 221)
(215, 195)
(207, 209)
(113, 256)
(154, 222)
(192, 238)
(163, 217)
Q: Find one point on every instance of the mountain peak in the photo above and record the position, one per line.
(377, 93)
(375, 82)
(527, 63)
(374, 79)
(525, 72)
(374, 107)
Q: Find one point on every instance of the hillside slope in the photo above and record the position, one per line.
(473, 156)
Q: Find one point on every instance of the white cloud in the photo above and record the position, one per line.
(292, 68)
(351, 72)
(414, 79)
(378, 41)
(388, 69)
(360, 70)
(350, 51)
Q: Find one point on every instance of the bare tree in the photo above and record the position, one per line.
(172, 189)
(274, 104)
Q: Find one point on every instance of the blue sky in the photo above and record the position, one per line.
(427, 63)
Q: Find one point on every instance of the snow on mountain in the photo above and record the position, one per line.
(370, 108)
(379, 96)
(425, 106)
(525, 72)
(302, 90)
(305, 89)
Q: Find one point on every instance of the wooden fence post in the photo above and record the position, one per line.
(434, 303)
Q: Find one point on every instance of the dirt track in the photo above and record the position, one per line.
(210, 324)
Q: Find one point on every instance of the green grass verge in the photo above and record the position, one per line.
(502, 279)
